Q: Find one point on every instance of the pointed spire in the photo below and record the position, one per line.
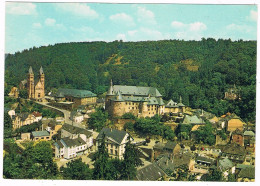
(30, 70)
(110, 91)
(180, 99)
(41, 70)
(119, 96)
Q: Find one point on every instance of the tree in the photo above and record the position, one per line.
(7, 126)
(23, 94)
(129, 126)
(131, 160)
(76, 170)
(101, 166)
(213, 175)
(98, 119)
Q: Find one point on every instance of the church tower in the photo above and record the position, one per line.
(30, 83)
(39, 87)
(42, 77)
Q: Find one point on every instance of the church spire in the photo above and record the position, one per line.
(41, 70)
(110, 91)
(30, 70)
(180, 99)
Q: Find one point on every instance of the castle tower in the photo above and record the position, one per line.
(30, 83)
(110, 94)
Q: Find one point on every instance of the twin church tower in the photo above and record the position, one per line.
(35, 91)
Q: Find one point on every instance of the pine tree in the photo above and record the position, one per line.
(131, 160)
(101, 166)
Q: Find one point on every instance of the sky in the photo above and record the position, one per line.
(41, 24)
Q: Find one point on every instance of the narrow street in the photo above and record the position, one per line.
(66, 114)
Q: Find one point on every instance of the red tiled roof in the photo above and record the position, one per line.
(37, 114)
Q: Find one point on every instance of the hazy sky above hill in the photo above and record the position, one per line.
(37, 24)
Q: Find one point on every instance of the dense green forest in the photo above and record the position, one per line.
(199, 71)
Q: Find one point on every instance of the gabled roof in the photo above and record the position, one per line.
(171, 104)
(113, 134)
(170, 145)
(76, 130)
(23, 116)
(247, 173)
(234, 149)
(249, 133)
(225, 164)
(205, 159)
(137, 91)
(40, 133)
(74, 93)
(58, 144)
(150, 173)
(192, 120)
(72, 142)
(37, 114)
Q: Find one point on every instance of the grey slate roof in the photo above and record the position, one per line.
(249, 133)
(171, 104)
(234, 149)
(58, 144)
(137, 91)
(159, 146)
(23, 116)
(150, 173)
(205, 159)
(74, 93)
(170, 145)
(225, 164)
(40, 133)
(248, 172)
(76, 130)
(117, 135)
(73, 142)
(192, 120)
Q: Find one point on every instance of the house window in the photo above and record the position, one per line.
(39, 95)
(47, 137)
(111, 151)
(42, 137)
(133, 108)
(111, 145)
(116, 152)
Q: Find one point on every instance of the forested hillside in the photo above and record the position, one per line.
(199, 71)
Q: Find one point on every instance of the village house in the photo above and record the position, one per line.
(37, 115)
(234, 152)
(193, 120)
(237, 137)
(175, 108)
(74, 141)
(150, 172)
(166, 148)
(232, 93)
(245, 173)
(76, 116)
(22, 119)
(14, 92)
(226, 167)
(231, 122)
(41, 135)
(115, 141)
(78, 97)
(202, 164)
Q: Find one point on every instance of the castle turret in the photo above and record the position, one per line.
(30, 83)
(110, 91)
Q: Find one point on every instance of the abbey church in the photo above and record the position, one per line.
(35, 91)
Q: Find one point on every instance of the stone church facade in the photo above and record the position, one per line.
(35, 91)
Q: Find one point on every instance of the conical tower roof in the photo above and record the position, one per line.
(30, 70)
(110, 91)
(41, 70)
(119, 96)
